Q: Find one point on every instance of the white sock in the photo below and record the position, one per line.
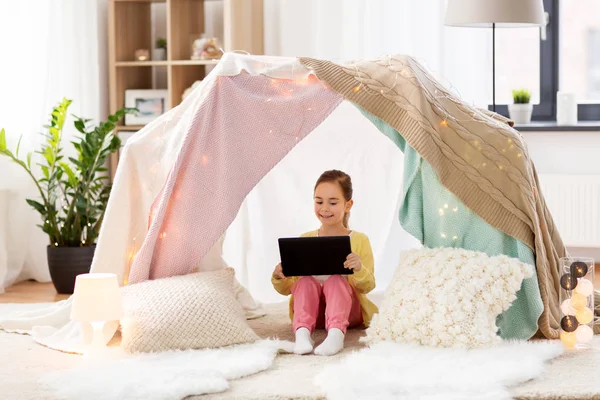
(304, 343)
(333, 343)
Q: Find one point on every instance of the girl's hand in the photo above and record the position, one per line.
(353, 262)
(278, 272)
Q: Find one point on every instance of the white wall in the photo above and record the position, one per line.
(565, 152)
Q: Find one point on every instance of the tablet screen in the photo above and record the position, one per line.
(308, 256)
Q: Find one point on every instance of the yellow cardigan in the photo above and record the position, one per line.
(362, 281)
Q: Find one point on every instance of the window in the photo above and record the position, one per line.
(569, 60)
(512, 45)
(579, 49)
(593, 70)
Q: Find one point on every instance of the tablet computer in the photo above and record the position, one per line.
(307, 256)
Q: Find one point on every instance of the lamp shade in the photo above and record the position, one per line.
(96, 297)
(503, 13)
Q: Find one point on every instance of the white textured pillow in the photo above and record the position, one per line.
(183, 312)
(213, 260)
(447, 297)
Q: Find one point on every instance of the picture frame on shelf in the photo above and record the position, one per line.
(151, 103)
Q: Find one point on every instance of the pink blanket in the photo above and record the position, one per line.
(242, 129)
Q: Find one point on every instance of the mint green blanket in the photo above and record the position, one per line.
(437, 218)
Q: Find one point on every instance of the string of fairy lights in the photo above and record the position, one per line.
(578, 305)
(578, 314)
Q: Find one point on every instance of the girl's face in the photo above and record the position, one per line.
(330, 206)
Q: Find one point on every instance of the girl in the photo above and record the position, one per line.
(335, 302)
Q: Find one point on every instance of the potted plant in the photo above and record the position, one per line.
(72, 195)
(160, 51)
(520, 111)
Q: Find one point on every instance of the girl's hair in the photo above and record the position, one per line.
(345, 182)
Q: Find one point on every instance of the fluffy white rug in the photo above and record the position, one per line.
(167, 375)
(403, 371)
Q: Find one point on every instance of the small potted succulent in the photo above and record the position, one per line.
(160, 51)
(521, 109)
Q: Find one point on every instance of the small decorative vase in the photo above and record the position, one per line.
(576, 301)
(566, 109)
(520, 113)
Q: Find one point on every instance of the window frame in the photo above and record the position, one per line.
(550, 73)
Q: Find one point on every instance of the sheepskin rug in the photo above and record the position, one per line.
(163, 376)
(387, 371)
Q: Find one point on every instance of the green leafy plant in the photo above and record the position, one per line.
(73, 194)
(161, 43)
(521, 96)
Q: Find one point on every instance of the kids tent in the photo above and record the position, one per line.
(468, 180)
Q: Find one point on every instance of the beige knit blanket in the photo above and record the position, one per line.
(478, 157)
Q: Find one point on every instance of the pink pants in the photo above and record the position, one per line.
(331, 305)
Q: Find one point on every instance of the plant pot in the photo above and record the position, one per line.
(520, 113)
(65, 263)
(159, 54)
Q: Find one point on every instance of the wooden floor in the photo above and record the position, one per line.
(34, 292)
(31, 292)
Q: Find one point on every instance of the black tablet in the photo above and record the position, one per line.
(307, 256)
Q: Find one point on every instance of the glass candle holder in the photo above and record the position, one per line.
(577, 302)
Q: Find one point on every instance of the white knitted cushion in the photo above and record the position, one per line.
(447, 297)
(213, 260)
(183, 312)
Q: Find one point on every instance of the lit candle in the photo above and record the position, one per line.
(142, 55)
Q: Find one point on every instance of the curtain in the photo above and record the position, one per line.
(341, 30)
(51, 50)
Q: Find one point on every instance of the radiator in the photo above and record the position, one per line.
(574, 202)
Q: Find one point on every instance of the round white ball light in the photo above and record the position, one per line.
(584, 334)
(567, 308)
(585, 287)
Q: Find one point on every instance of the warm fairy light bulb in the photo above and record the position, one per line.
(584, 316)
(578, 301)
(568, 338)
(584, 334)
(579, 269)
(441, 212)
(568, 282)
(584, 287)
(567, 308)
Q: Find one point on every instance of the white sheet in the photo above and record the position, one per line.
(280, 205)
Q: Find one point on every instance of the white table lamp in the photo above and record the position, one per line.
(97, 300)
(495, 14)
